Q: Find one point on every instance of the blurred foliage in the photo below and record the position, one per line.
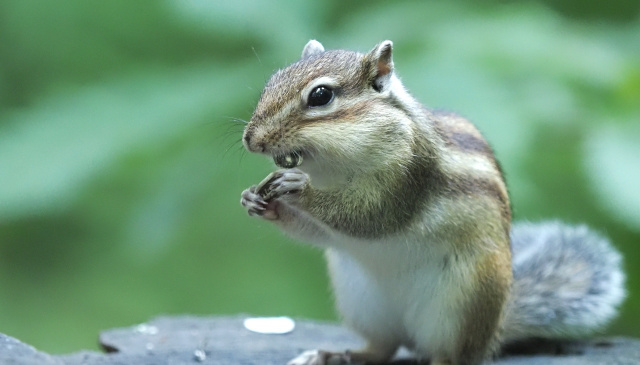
(121, 167)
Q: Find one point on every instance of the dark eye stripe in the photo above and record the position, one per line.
(319, 96)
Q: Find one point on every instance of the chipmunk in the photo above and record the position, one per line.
(412, 209)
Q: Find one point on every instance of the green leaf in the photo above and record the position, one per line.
(612, 160)
(49, 150)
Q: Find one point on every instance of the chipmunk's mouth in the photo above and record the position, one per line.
(288, 160)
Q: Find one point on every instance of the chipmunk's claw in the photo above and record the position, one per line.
(282, 184)
(256, 205)
(318, 357)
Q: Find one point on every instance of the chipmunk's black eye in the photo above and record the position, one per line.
(320, 96)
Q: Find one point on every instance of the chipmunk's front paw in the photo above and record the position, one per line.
(256, 205)
(286, 184)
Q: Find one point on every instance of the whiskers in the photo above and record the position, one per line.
(238, 120)
(228, 134)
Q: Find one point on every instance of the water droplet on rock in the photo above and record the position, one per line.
(199, 355)
(146, 329)
(270, 325)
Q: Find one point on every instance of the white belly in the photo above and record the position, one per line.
(410, 299)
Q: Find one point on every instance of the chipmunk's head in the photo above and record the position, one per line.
(336, 110)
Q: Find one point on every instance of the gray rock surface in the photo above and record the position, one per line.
(225, 341)
(13, 351)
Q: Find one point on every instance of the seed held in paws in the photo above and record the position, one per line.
(288, 160)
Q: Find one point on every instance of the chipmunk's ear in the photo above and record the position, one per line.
(312, 47)
(381, 64)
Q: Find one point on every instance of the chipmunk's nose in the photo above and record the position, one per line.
(250, 142)
(247, 137)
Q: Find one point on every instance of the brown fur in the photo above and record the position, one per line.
(286, 84)
(484, 309)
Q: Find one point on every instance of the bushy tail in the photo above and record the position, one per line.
(568, 282)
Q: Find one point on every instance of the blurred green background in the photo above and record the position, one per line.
(121, 167)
